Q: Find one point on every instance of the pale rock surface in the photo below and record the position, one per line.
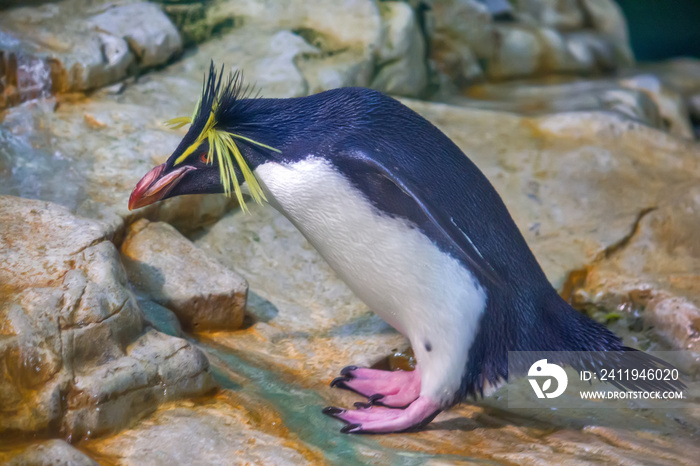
(655, 275)
(671, 104)
(681, 75)
(151, 37)
(558, 14)
(579, 185)
(401, 59)
(545, 37)
(47, 453)
(463, 34)
(84, 44)
(640, 97)
(75, 355)
(224, 431)
(517, 53)
(344, 34)
(168, 269)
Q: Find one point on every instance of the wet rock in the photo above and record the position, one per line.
(74, 354)
(676, 321)
(160, 318)
(47, 453)
(217, 433)
(170, 270)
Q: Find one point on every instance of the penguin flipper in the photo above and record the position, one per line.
(383, 187)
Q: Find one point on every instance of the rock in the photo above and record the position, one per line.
(606, 16)
(517, 53)
(345, 35)
(607, 19)
(560, 171)
(75, 357)
(167, 268)
(80, 47)
(543, 36)
(160, 318)
(681, 76)
(152, 38)
(654, 275)
(597, 53)
(401, 59)
(671, 105)
(463, 34)
(156, 368)
(676, 321)
(218, 433)
(48, 453)
(558, 14)
(533, 98)
(564, 56)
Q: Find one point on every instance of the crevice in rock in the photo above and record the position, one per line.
(576, 278)
(73, 325)
(82, 249)
(624, 241)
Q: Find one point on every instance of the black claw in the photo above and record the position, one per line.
(361, 405)
(339, 382)
(350, 428)
(346, 370)
(374, 398)
(333, 411)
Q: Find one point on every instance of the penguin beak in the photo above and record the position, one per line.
(155, 185)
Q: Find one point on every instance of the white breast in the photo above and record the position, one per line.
(394, 268)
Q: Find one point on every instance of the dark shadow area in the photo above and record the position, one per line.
(662, 29)
(258, 309)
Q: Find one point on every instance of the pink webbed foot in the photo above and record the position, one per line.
(381, 420)
(395, 389)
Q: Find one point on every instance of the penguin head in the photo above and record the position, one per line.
(217, 155)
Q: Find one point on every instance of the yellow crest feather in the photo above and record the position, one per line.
(222, 144)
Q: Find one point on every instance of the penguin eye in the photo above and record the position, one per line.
(203, 157)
